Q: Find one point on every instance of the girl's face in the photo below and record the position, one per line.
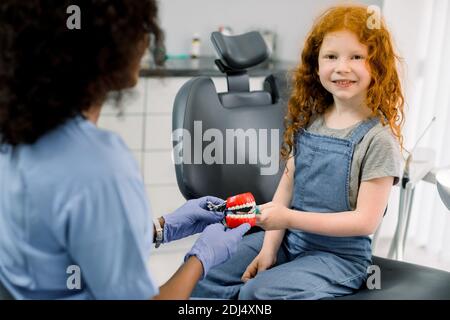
(342, 66)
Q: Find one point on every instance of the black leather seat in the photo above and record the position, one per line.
(239, 108)
(406, 281)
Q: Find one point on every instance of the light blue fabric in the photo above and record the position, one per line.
(75, 197)
(309, 266)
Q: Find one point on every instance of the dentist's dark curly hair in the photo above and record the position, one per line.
(49, 73)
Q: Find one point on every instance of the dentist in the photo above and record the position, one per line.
(71, 195)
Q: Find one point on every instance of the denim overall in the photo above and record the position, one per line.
(309, 266)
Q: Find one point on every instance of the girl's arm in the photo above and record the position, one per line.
(283, 197)
(272, 239)
(372, 200)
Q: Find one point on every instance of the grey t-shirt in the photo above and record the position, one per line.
(377, 154)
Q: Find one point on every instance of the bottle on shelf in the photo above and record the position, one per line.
(195, 46)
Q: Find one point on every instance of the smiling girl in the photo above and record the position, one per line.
(342, 145)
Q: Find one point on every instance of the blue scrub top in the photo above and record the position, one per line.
(74, 199)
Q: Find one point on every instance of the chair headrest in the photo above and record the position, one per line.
(241, 51)
(225, 150)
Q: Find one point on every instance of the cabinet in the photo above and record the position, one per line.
(146, 127)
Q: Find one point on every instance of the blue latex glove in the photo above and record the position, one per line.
(191, 218)
(217, 244)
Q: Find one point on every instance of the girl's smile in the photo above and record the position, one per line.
(344, 83)
(343, 70)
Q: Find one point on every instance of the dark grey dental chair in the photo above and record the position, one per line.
(197, 103)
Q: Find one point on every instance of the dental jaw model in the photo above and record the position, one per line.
(238, 209)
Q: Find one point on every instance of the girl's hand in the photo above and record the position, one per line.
(264, 260)
(273, 216)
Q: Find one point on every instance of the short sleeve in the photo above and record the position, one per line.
(383, 158)
(108, 234)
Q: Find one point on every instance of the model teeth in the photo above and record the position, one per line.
(241, 216)
(238, 207)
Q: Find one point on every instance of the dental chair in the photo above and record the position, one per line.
(200, 110)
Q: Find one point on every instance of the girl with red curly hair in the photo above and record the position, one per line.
(342, 145)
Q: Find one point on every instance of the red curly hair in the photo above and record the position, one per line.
(309, 97)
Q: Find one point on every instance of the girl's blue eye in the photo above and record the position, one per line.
(330, 56)
(358, 57)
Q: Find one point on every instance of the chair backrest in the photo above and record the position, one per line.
(228, 143)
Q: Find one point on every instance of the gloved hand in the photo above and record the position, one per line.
(191, 218)
(216, 245)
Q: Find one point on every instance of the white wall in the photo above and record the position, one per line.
(421, 29)
(404, 19)
(290, 19)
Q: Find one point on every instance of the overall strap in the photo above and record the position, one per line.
(362, 129)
